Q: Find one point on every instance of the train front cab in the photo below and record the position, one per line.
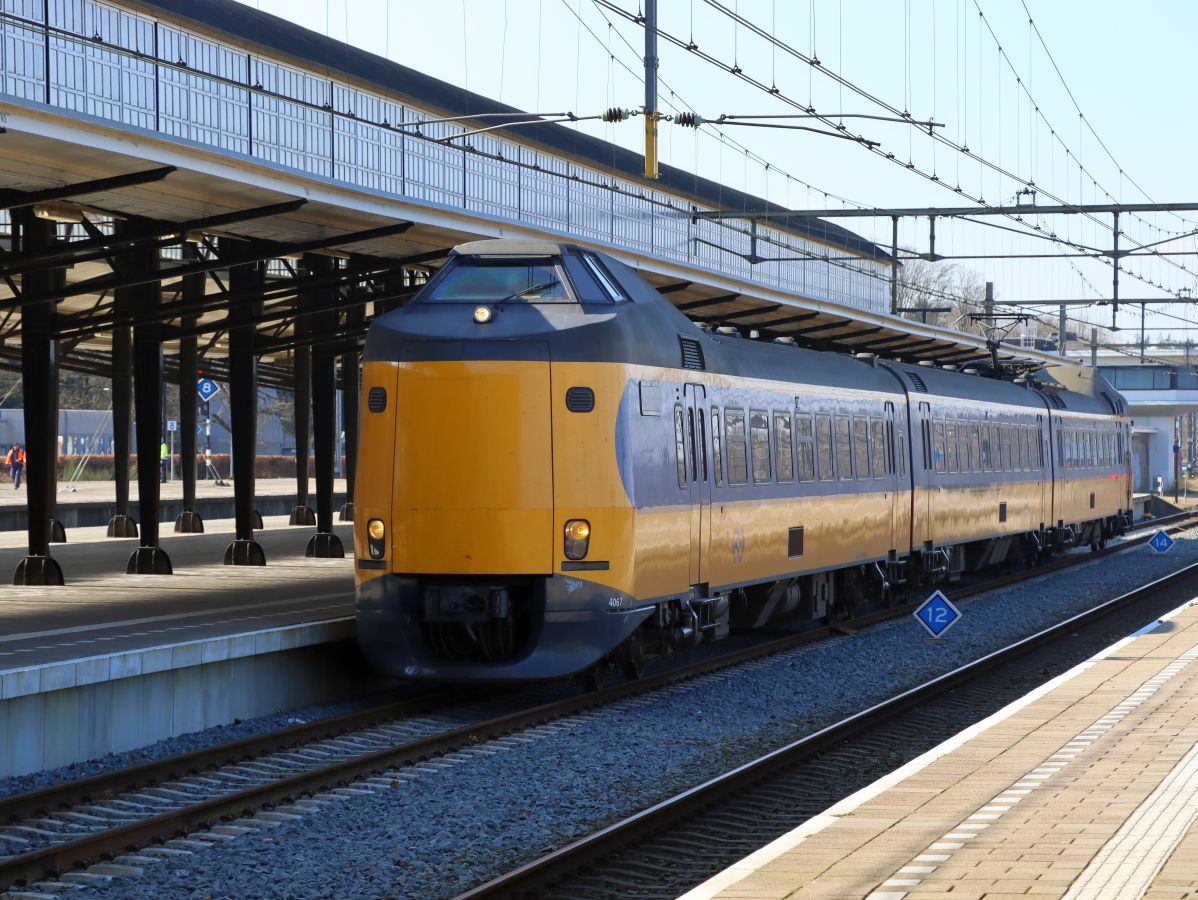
(493, 534)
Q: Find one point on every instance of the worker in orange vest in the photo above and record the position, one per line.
(16, 464)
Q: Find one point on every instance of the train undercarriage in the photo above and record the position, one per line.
(837, 595)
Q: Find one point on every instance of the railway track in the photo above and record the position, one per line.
(56, 830)
(669, 847)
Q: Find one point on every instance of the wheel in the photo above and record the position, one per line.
(599, 676)
(632, 657)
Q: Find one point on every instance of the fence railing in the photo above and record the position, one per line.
(102, 60)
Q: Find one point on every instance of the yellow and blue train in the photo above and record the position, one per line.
(560, 473)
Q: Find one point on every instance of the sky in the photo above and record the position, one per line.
(1082, 101)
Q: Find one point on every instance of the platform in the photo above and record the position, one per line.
(1085, 788)
(91, 503)
(114, 661)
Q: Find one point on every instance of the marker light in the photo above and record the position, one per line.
(375, 532)
(483, 314)
(576, 538)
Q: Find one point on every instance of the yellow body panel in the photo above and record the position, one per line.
(473, 482)
(376, 460)
(750, 538)
(961, 514)
(488, 464)
(1071, 501)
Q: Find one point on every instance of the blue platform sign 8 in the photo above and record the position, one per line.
(937, 614)
(207, 388)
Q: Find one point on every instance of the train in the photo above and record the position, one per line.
(561, 474)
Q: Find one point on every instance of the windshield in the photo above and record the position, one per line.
(494, 280)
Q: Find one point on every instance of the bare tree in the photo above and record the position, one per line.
(928, 285)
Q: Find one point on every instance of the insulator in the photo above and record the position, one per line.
(688, 119)
(615, 114)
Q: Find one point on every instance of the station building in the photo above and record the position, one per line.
(1162, 396)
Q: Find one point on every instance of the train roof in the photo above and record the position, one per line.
(651, 331)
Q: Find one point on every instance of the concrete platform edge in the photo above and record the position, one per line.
(61, 713)
(775, 849)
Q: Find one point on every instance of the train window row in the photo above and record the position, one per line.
(772, 445)
(1083, 448)
(951, 445)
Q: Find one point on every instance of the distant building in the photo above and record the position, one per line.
(1162, 398)
(89, 431)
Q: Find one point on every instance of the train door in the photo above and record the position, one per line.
(699, 470)
(922, 463)
(895, 491)
(1045, 466)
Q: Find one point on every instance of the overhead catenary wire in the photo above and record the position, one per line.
(755, 82)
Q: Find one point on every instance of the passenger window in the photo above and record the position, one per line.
(950, 436)
(805, 440)
(738, 453)
(717, 458)
(783, 454)
(938, 434)
(1007, 458)
(879, 448)
(702, 446)
(987, 465)
(690, 439)
(861, 445)
(844, 449)
(1025, 455)
(759, 431)
(995, 449)
(927, 444)
(963, 462)
(975, 447)
(680, 446)
(823, 437)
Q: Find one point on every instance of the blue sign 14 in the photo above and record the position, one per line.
(937, 614)
(1161, 542)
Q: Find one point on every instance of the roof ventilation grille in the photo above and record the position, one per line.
(692, 353)
(917, 382)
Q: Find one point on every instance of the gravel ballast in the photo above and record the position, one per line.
(445, 825)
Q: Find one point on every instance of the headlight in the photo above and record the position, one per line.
(483, 314)
(376, 532)
(576, 537)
